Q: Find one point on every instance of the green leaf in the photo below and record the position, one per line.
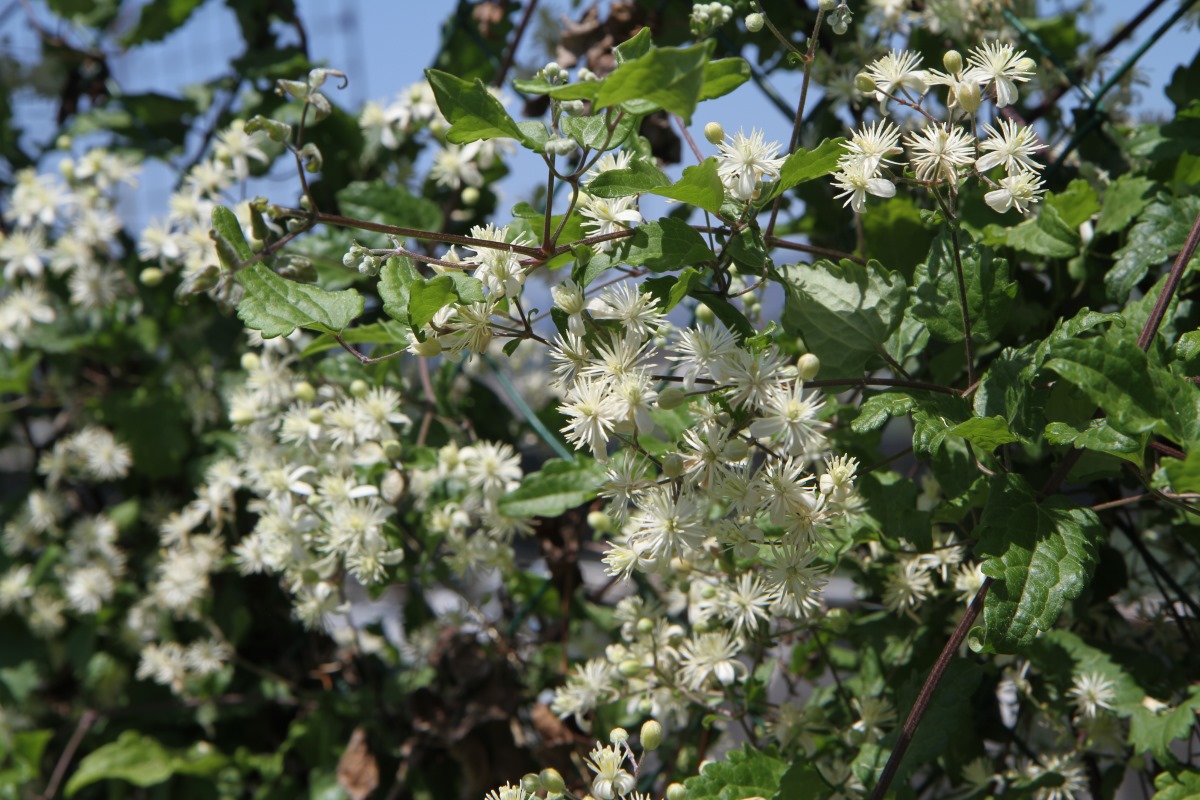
(1184, 475)
(729, 315)
(1153, 731)
(877, 410)
(747, 772)
(895, 234)
(670, 78)
(640, 176)
(666, 245)
(634, 47)
(382, 332)
(390, 203)
(1075, 204)
(802, 781)
(592, 131)
(1048, 235)
(276, 306)
(427, 297)
(806, 165)
(1124, 200)
(700, 186)
(1040, 556)
(845, 312)
(1158, 234)
(558, 486)
(395, 279)
(723, 76)
(987, 433)
(581, 90)
(142, 761)
(1181, 785)
(232, 248)
(473, 112)
(1097, 436)
(158, 18)
(936, 299)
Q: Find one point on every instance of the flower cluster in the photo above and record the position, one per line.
(943, 151)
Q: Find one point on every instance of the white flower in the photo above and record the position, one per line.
(625, 303)
(455, 167)
(875, 715)
(23, 252)
(795, 581)
(666, 525)
(700, 349)
(509, 792)
(745, 161)
(568, 297)
(1091, 692)
(593, 412)
(898, 70)
(1013, 146)
(238, 147)
(606, 215)
(907, 587)
(1019, 190)
(492, 468)
(745, 603)
(789, 418)
(611, 778)
(874, 143)
(856, 178)
(938, 151)
(998, 64)
(710, 655)
(89, 587)
(590, 685)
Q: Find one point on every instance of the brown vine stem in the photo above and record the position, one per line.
(784, 244)
(415, 233)
(60, 769)
(927, 691)
(510, 54)
(1169, 288)
(809, 54)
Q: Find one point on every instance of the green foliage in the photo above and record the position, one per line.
(472, 111)
(557, 487)
(744, 773)
(276, 306)
(1040, 553)
(142, 761)
(935, 296)
(844, 312)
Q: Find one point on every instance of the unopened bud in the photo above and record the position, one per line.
(531, 782)
(316, 416)
(392, 487)
(151, 276)
(705, 315)
(952, 61)
(754, 23)
(864, 83)
(652, 734)
(241, 416)
(250, 361)
(672, 465)
(676, 791)
(645, 706)
(392, 449)
(1025, 64)
(736, 450)
(618, 736)
(827, 5)
(714, 133)
(428, 348)
(552, 781)
(358, 388)
(630, 668)
(599, 521)
(969, 96)
(304, 392)
(807, 366)
(670, 398)
(645, 625)
(574, 108)
(470, 196)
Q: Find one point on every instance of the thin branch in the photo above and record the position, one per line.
(1168, 292)
(784, 244)
(510, 54)
(60, 768)
(927, 691)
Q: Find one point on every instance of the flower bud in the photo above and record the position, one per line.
(630, 668)
(754, 22)
(672, 465)
(428, 348)
(1025, 64)
(470, 196)
(316, 416)
(552, 781)
(952, 61)
(531, 782)
(714, 133)
(676, 791)
(304, 392)
(241, 416)
(670, 398)
(392, 487)
(827, 5)
(358, 388)
(574, 108)
(618, 736)
(151, 276)
(736, 450)
(392, 449)
(864, 83)
(250, 361)
(645, 625)
(645, 706)
(838, 620)
(559, 147)
(599, 521)
(705, 315)
(969, 97)
(652, 734)
(807, 366)
(63, 142)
